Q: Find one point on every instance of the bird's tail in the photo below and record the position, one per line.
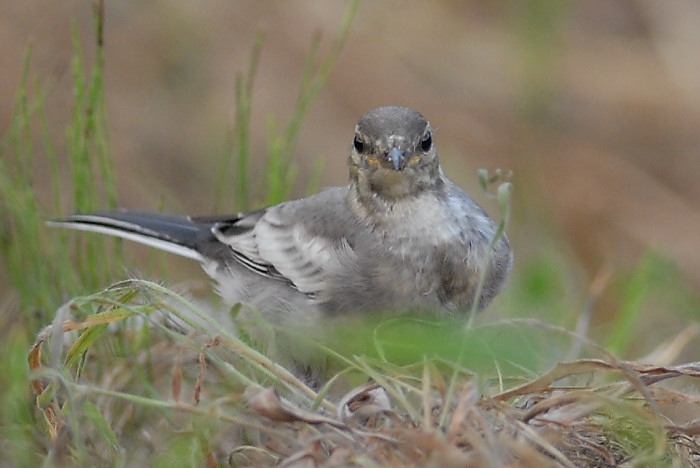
(173, 233)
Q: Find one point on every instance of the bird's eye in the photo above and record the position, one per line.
(358, 144)
(427, 142)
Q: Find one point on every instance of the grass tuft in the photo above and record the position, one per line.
(226, 403)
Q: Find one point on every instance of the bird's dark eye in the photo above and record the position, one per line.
(358, 144)
(427, 142)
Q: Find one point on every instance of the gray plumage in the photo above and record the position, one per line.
(400, 235)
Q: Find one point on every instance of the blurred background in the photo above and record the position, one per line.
(594, 106)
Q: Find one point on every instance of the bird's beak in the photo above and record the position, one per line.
(397, 158)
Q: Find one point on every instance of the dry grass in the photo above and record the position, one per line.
(136, 375)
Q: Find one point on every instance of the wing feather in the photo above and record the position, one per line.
(278, 245)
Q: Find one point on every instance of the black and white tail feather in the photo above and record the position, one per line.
(176, 234)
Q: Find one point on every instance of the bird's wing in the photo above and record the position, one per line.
(277, 243)
(280, 242)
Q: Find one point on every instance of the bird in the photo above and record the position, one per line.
(399, 236)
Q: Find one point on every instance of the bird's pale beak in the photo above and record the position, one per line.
(397, 158)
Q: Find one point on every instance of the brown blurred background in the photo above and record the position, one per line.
(594, 105)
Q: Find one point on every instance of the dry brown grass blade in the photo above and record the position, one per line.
(647, 373)
(49, 410)
(560, 371)
(267, 403)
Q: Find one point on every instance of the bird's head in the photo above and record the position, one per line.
(392, 154)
